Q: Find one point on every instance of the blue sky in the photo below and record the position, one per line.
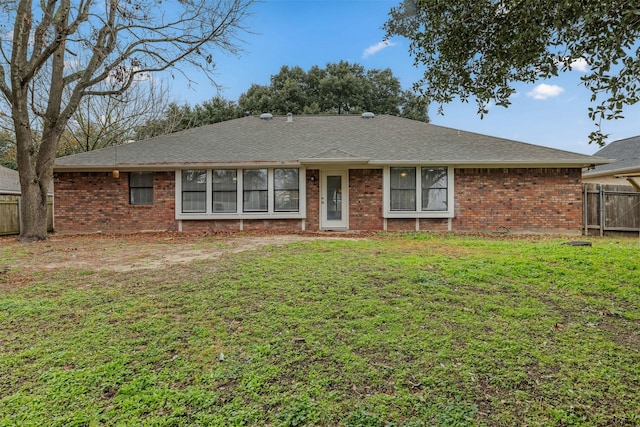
(316, 32)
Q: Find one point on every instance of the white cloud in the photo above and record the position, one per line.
(544, 91)
(372, 50)
(580, 64)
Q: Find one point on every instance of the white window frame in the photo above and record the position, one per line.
(240, 214)
(418, 212)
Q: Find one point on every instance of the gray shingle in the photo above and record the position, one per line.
(624, 152)
(383, 139)
(9, 181)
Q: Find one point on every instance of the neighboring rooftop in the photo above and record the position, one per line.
(323, 138)
(625, 154)
(9, 181)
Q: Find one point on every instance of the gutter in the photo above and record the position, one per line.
(159, 167)
(633, 179)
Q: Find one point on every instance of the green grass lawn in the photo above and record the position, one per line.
(410, 330)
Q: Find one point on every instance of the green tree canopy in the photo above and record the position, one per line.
(336, 89)
(479, 48)
(179, 117)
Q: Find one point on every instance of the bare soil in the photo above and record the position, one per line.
(135, 251)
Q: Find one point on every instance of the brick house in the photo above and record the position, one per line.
(321, 173)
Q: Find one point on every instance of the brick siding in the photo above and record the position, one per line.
(521, 200)
(89, 202)
(365, 199)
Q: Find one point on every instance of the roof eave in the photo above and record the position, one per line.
(488, 164)
(353, 160)
(168, 166)
(608, 172)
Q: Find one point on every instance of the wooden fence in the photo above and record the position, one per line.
(611, 208)
(10, 215)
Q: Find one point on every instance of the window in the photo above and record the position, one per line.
(255, 190)
(418, 192)
(194, 190)
(286, 189)
(224, 190)
(434, 189)
(259, 193)
(403, 189)
(141, 188)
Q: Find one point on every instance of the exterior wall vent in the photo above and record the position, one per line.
(266, 116)
(368, 115)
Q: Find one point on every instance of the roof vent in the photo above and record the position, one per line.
(289, 117)
(266, 116)
(368, 115)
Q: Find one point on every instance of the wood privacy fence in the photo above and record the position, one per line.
(611, 208)
(10, 215)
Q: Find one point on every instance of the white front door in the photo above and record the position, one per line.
(334, 200)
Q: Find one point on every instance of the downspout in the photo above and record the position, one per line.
(632, 181)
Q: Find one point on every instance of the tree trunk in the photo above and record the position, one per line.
(33, 211)
(36, 174)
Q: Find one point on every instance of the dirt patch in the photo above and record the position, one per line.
(135, 251)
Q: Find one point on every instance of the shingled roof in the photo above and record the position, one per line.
(9, 181)
(323, 139)
(625, 154)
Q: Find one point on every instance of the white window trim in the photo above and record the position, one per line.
(386, 194)
(239, 214)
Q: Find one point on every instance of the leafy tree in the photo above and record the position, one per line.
(344, 88)
(479, 48)
(176, 117)
(337, 89)
(62, 51)
(7, 150)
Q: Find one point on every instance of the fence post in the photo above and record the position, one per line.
(585, 210)
(19, 214)
(602, 208)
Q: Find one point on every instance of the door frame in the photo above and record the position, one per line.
(327, 224)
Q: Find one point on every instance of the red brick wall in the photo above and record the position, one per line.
(365, 199)
(531, 200)
(96, 201)
(401, 224)
(434, 224)
(313, 200)
(208, 226)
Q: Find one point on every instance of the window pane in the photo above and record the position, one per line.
(194, 180)
(224, 194)
(141, 188)
(434, 200)
(403, 200)
(434, 178)
(254, 179)
(286, 179)
(255, 201)
(286, 194)
(141, 196)
(403, 178)
(223, 180)
(286, 201)
(141, 179)
(434, 189)
(403, 189)
(225, 201)
(194, 201)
